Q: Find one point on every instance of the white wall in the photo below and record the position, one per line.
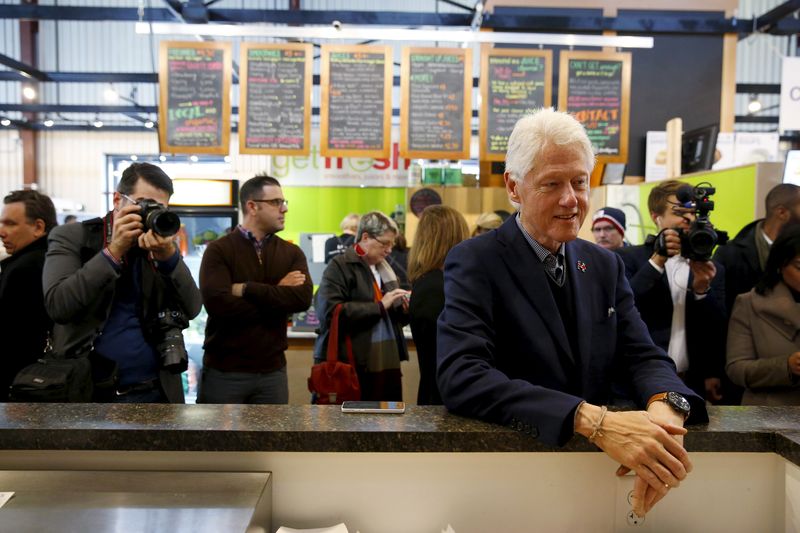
(10, 161)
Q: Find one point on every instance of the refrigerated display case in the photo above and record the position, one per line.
(208, 210)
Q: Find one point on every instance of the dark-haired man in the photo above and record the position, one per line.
(746, 254)
(251, 281)
(109, 285)
(26, 219)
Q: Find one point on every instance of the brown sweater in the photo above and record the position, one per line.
(249, 334)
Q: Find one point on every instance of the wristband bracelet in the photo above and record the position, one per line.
(596, 427)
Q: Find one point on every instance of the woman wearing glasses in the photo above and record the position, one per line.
(373, 308)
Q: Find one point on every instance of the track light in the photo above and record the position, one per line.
(149, 124)
(28, 92)
(754, 105)
(5, 122)
(48, 123)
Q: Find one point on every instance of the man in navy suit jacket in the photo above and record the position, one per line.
(537, 324)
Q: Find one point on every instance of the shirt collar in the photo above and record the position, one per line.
(247, 234)
(541, 251)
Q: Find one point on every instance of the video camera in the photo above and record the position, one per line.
(698, 242)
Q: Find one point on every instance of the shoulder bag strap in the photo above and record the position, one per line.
(333, 339)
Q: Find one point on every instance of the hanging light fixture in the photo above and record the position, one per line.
(754, 105)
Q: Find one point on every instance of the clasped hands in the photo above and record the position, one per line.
(703, 272)
(649, 443)
(128, 230)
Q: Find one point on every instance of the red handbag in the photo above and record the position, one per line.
(332, 380)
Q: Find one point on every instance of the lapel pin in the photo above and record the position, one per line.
(581, 266)
(611, 311)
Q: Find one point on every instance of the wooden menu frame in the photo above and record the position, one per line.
(324, 112)
(163, 81)
(243, 102)
(625, 97)
(405, 91)
(486, 53)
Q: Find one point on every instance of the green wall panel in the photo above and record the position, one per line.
(734, 204)
(321, 209)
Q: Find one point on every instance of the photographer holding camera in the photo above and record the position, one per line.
(678, 290)
(120, 293)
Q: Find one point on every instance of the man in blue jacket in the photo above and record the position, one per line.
(537, 324)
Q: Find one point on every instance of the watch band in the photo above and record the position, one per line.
(660, 397)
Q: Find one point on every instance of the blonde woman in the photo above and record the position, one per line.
(440, 228)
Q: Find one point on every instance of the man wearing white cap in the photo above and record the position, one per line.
(608, 228)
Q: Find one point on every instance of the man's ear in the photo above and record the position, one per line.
(511, 186)
(39, 227)
(655, 218)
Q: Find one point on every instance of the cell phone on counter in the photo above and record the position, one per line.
(373, 407)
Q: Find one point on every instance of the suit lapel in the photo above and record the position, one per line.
(579, 275)
(520, 258)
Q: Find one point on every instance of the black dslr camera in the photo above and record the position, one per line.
(697, 243)
(158, 218)
(166, 331)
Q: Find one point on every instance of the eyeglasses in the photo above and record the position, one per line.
(275, 202)
(603, 229)
(389, 244)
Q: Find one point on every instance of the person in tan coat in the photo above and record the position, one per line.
(764, 331)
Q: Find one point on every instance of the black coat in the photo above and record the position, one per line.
(427, 302)
(740, 259)
(706, 318)
(22, 313)
(347, 280)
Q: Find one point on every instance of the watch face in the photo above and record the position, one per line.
(679, 402)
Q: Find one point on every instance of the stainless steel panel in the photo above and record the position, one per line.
(98, 501)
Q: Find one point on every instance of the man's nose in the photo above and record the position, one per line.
(569, 199)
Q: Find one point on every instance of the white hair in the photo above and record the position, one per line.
(375, 224)
(535, 131)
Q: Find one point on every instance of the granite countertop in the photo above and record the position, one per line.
(307, 428)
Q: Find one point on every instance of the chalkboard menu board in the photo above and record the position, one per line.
(513, 82)
(436, 106)
(194, 107)
(275, 110)
(595, 87)
(356, 102)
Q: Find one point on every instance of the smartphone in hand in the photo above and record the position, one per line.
(373, 407)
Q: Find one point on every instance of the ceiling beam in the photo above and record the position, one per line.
(773, 22)
(766, 22)
(26, 71)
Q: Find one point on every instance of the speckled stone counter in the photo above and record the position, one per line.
(326, 429)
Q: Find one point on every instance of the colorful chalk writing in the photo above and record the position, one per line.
(436, 103)
(356, 100)
(595, 96)
(516, 85)
(275, 101)
(195, 92)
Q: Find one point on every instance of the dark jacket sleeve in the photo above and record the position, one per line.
(706, 328)
(72, 289)
(340, 286)
(215, 286)
(283, 299)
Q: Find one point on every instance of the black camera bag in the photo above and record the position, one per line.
(54, 380)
